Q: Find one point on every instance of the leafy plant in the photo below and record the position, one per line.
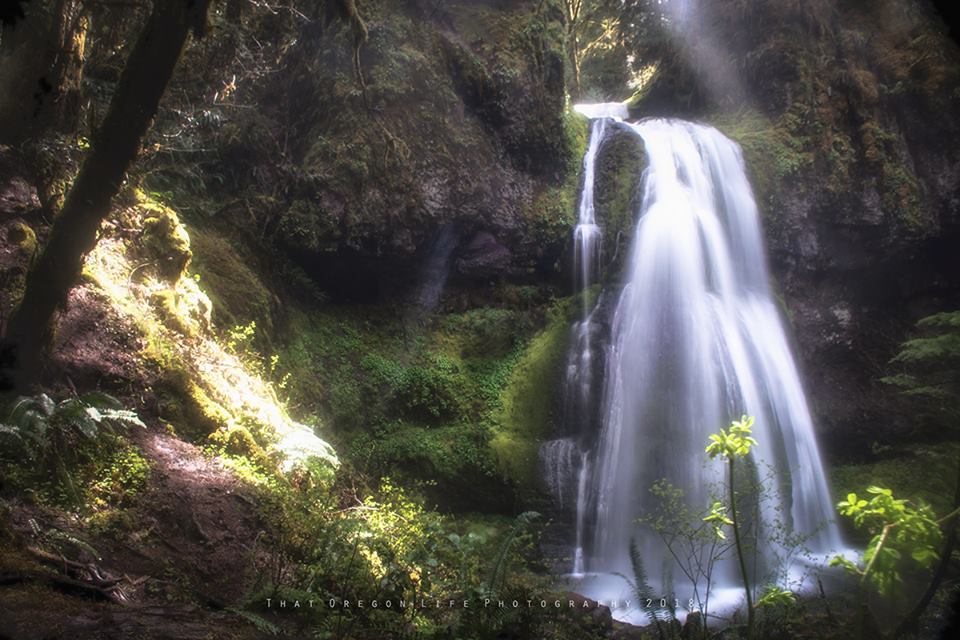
(929, 372)
(900, 530)
(734, 444)
(903, 534)
(52, 433)
(694, 539)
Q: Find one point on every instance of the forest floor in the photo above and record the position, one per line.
(183, 552)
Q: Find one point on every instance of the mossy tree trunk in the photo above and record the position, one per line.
(115, 146)
(41, 64)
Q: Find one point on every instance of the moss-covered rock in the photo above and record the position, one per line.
(454, 115)
(237, 440)
(166, 241)
(23, 237)
(188, 407)
(226, 274)
(620, 163)
(183, 308)
(528, 402)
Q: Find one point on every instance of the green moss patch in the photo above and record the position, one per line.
(528, 401)
(918, 473)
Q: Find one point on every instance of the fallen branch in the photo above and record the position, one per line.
(87, 576)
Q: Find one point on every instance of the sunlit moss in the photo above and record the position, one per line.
(165, 239)
(203, 387)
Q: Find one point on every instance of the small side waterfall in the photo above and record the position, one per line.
(695, 340)
(586, 235)
(566, 461)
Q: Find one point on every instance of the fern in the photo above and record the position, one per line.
(42, 430)
(57, 539)
(498, 574)
(262, 624)
(644, 593)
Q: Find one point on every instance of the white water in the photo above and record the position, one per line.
(616, 110)
(696, 341)
(587, 234)
(566, 466)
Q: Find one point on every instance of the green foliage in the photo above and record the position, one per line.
(929, 367)
(899, 530)
(527, 401)
(385, 546)
(59, 435)
(644, 593)
(61, 541)
(428, 403)
(776, 597)
(500, 566)
(717, 517)
(433, 392)
(121, 476)
(919, 472)
(734, 442)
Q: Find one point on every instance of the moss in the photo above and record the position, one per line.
(917, 472)
(238, 441)
(166, 240)
(184, 309)
(620, 163)
(117, 478)
(237, 293)
(22, 236)
(164, 303)
(528, 401)
(772, 152)
(186, 405)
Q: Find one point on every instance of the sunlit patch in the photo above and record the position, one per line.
(175, 321)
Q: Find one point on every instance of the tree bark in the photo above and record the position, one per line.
(115, 146)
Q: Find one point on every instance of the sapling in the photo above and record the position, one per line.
(902, 533)
(733, 444)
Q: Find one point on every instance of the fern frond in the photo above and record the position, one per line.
(262, 624)
(499, 568)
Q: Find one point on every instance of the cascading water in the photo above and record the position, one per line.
(565, 460)
(695, 341)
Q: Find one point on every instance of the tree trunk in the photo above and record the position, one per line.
(74, 233)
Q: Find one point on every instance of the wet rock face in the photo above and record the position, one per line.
(455, 117)
(483, 258)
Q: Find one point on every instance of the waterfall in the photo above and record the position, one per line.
(696, 340)
(586, 235)
(565, 461)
